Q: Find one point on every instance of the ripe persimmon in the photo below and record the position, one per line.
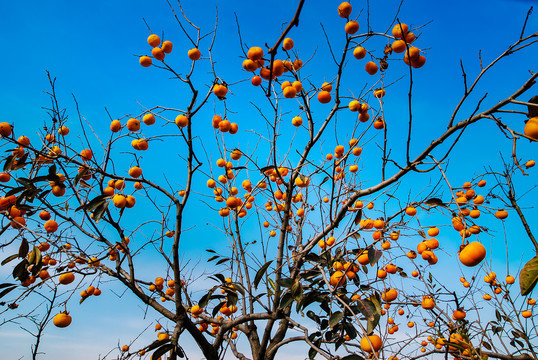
(158, 53)
(344, 9)
(287, 44)
(531, 128)
(220, 90)
(359, 52)
(66, 278)
(194, 54)
(5, 129)
(501, 214)
(255, 53)
(135, 172)
(115, 126)
(338, 278)
(351, 27)
(472, 254)
(182, 121)
(145, 61)
(148, 119)
(324, 97)
(371, 343)
(371, 67)
(400, 30)
(86, 154)
(51, 226)
(167, 46)
(62, 320)
(154, 40)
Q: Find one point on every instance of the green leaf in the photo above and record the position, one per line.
(260, 273)
(217, 308)
(297, 290)
(7, 290)
(374, 255)
(528, 276)
(79, 176)
(434, 202)
(9, 162)
(93, 204)
(204, 300)
(312, 353)
(285, 300)
(24, 248)
(52, 171)
(325, 179)
(14, 191)
(222, 261)
(232, 298)
(335, 318)
(285, 282)
(358, 217)
(272, 283)
(100, 211)
(367, 309)
(9, 258)
(156, 344)
(21, 163)
(20, 270)
(161, 351)
(353, 357)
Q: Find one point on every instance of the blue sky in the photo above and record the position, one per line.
(91, 48)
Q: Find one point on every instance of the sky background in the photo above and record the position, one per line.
(92, 48)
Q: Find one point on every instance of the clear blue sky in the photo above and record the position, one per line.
(90, 48)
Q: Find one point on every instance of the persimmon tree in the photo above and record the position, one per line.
(326, 238)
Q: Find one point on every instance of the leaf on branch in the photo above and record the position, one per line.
(434, 202)
(161, 351)
(335, 318)
(9, 258)
(20, 272)
(14, 191)
(358, 217)
(285, 282)
(80, 175)
(223, 260)
(21, 163)
(100, 211)
(93, 204)
(260, 273)
(312, 353)
(217, 308)
(24, 248)
(374, 255)
(297, 290)
(313, 316)
(353, 357)
(9, 162)
(52, 173)
(156, 344)
(350, 329)
(533, 110)
(528, 276)
(325, 179)
(7, 290)
(286, 300)
(232, 298)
